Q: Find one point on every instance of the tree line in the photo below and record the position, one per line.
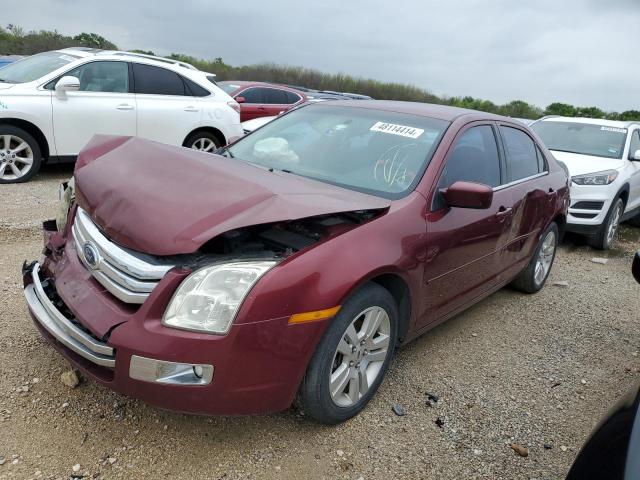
(14, 40)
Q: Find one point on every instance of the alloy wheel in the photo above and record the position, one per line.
(545, 257)
(204, 144)
(16, 157)
(360, 356)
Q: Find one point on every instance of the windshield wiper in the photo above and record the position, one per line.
(224, 151)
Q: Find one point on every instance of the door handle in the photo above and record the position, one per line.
(262, 108)
(502, 211)
(190, 109)
(124, 106)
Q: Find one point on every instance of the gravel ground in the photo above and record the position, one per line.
(530, 370)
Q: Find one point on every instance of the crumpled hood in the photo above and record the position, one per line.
(581, 164)
(167, 200)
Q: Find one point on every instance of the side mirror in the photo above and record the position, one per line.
(468, 195)
(635, 156)
(241, 99)
(67, 84)
(635, 268)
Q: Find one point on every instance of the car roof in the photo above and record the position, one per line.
(249, 83)
(441, 112)
(84, 52)
(591, 121)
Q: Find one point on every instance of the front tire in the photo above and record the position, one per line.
(352, 358)
(203, 141)
(20, 156)
(533, 278)
(609, 230)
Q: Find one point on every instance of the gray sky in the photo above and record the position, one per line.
(583, 52)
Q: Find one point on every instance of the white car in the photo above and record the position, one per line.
(603, 158)
(52, 103)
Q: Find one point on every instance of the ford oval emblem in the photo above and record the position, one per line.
(91, 254)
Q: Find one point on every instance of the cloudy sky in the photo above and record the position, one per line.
(583, 52)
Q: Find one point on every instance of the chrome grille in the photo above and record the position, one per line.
(130, 276)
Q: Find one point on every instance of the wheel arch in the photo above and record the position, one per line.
(32, 130)
(623, 193)
(217, 133)
(399, 290)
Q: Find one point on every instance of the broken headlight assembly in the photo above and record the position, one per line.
(209, 299)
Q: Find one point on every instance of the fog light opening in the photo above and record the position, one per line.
(161, 371)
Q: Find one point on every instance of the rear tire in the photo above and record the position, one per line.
(352, 358)
(608, 232)
(20, 156)
(533, 278)
(203, 141)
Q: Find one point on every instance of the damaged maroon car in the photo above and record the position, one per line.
(294, 262)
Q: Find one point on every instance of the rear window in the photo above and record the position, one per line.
(582, 138)
(522, 154)
(194, 89)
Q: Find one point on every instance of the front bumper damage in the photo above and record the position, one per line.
(255, 368)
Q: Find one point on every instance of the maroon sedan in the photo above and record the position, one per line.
(297, 260)
(259, 99)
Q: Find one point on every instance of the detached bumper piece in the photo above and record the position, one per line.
(62, 329)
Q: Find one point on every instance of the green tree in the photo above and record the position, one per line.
(562, 109)
(93, 40)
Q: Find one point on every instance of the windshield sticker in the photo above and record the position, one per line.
(393, 129)
(67, 58)
(3, 105)
(613, 129)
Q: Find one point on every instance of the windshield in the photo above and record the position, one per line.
(373, 151)
(582, 138)
(228, 87)
(34, 67)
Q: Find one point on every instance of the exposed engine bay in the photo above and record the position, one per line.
(285, 238)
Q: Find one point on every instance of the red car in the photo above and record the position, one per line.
(296, 261)
(259, 99)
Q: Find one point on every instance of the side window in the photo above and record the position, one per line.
(275, 97)
(542, 161)
(110, 77)
(252, 95)
(291, 98)
(195, 90)
(474, 158)
(635, 142)
(522, 154)
(156, 80)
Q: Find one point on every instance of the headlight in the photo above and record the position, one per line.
(598, 178)
(209, 299)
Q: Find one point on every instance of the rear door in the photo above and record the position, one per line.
(463, 256)
(104, 104)
(277, 100)
(531, 196)
(167, 109)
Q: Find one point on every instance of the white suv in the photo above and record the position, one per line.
(52, 103)
(603, 158)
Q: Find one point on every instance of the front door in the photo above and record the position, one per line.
(253, 105)
(102, 105)
(634, 181)
(464, 244)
